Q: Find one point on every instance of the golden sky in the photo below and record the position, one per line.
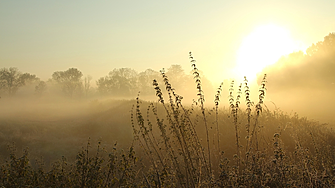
(41, 37)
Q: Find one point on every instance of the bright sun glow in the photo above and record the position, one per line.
(263, 47)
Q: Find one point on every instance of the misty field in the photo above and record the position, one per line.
(107, 94)
(163, 143)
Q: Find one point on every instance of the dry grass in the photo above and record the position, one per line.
(195, 146)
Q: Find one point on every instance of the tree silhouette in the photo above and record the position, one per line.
(69, 81)
(326, 46)
(177, 77)
(40, 88)
(119, 82)
(145, 81)
(87, 84)
(11, 79)
(313, 70)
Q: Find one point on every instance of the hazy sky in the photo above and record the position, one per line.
(43, 36)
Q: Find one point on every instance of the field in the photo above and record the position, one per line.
(162, 143)
(108, 94)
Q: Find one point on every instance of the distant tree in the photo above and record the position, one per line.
(326, 46)
(184, 84)
(311, 70)
(119, 82)
(69, 81)
(87, 84)
(104, 85)
(40, 88)
(11, 79)
(178, 78)
(145, 80)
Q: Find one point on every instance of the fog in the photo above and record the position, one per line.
(305, 83)
(57, 117)
(56, 127)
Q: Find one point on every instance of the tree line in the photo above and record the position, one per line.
(121, 82)
(313, 69)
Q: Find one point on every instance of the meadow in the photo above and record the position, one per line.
(164, 143)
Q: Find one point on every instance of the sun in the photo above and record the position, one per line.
(263, 47)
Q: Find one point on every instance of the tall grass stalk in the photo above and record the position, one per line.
(217, 101)
(234, 107)
(249, 103)
(201, 100)
(259, 109)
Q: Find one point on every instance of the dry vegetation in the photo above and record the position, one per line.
(174, 145)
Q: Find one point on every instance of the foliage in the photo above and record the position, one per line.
(69, 81)
(127, 82)
(306, 80)
(118, 82)
(326, 46)
(11, 79)
(87, 84)
(89, 170)
(40, 88)
(144, 81)
(310, 70)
